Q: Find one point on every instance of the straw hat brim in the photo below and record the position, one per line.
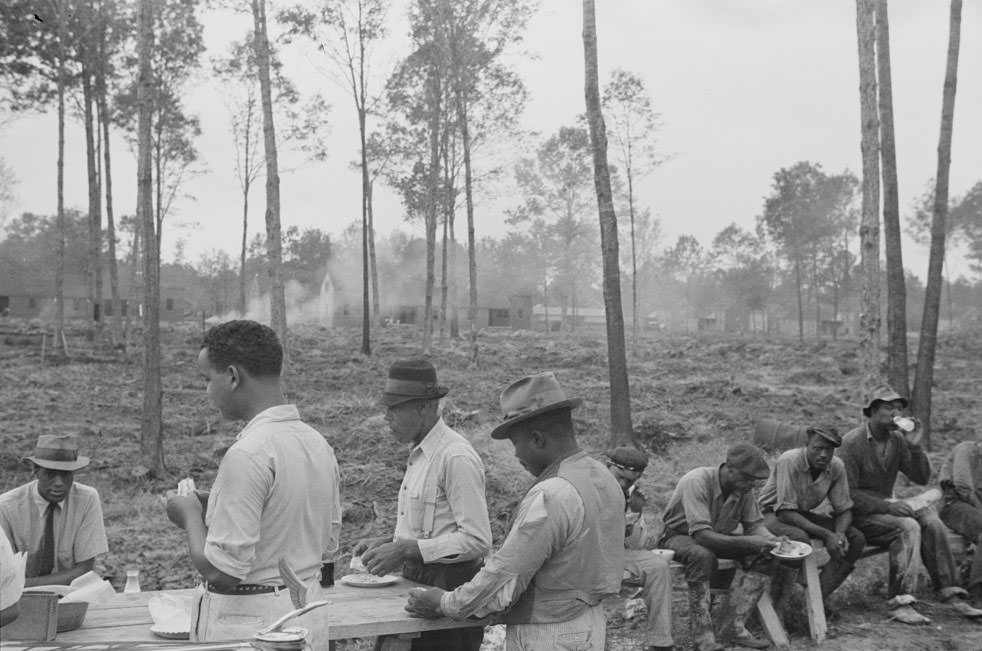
(69, 466)
(501, 431)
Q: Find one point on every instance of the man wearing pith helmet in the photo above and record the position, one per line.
(565, 550)
(55, 519)
(642, 567)
(442, 528)
(873, 454)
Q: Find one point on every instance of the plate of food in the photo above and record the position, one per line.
(170, 635)
(364, 580)
(792, 550)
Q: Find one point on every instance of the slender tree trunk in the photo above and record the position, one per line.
(621, 429)
(243, 301)
(454, 305)
(818, 304)
(61, 11)
(366, 236)
(924, 377)
(801, 305)
(444, 279)
(117, 320)
(372, 262)
(95, 207)
(635, 305)
(465, 137)
(151, 430)
(869, 231)
(896, 283)
(432, 209)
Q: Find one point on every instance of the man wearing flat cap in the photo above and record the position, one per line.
(565, 550)
(442, 528)
(642, 567)
(873, 454)
(701, 520)
(53, 518)
(804, 478)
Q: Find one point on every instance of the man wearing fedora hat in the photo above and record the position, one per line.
(642, 567)
(442, 529)
(873, 454)
(275, 502)
(53, 518)
(701, 521)
(565, 550)
(804, 478)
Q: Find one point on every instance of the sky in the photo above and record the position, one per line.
(744, 88)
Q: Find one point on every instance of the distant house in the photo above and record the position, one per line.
(517, 314)
(31, 295)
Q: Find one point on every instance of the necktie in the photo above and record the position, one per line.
(46, 563)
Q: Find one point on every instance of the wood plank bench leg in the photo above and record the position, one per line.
(813, 595)
(772, 623)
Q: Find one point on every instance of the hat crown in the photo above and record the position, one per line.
(748, 459)
(531, 393)
(628, 457)
(411, 379)
(882, 393)
(57, 447)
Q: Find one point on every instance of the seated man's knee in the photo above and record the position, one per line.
(700, 563)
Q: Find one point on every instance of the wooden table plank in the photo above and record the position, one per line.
(351, 612)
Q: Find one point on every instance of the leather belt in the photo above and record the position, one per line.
(245, 589)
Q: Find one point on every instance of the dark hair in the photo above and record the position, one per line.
(248, 344)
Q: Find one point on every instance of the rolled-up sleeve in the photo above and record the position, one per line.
(543, 524)
(463, 482)
(786, 489)
(234, 513)
(839, 495)
(90, 541)
(696, 501)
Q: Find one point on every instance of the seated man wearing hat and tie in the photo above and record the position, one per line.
(53, 518)
(804, 478)
(442, 529)
(642, 567)
(701, 521)
(565, 550)
(873, 454)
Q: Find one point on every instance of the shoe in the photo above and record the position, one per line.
(659, 648)
(964, 608)
(750, 641)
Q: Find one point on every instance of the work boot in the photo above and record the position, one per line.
(700, 620)
(745, 591)
(832, 577)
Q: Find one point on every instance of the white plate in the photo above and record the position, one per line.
(170, 635)
(362, 580)
(797, 550)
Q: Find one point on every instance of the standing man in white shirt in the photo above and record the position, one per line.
(442, 529)
(276, 495)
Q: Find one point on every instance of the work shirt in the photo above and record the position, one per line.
(698, 503)
(277, 493)
(871, 476)
(442, 504)
(78, 528)
(961, 472)
(792, 488)
(565, 548)
(11, 575)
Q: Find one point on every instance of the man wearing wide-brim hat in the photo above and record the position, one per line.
(804, 478)
(703, 521)
(53, 518)
(442, 528)
(565, 550)
(873, 454)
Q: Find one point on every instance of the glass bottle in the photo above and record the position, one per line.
(132, 580)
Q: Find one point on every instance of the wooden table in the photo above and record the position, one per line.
(124, 621)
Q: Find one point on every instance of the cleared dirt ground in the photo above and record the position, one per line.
(691, 397)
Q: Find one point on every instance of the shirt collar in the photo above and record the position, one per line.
(433, 440)
(278, 413)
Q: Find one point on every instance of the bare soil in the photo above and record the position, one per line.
(691, 396)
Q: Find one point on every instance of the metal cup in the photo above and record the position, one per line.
(905, 424)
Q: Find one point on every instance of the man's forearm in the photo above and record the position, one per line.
(63, 577)
(843, 521)
(197, 533)
(796, 519)
(723, 544)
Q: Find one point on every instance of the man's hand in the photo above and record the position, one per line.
(365, 544)
(836, 545)
(389, 557)
(762, 543)
(914, 436)
(182, 508)
(900, 509)
(425, 602)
